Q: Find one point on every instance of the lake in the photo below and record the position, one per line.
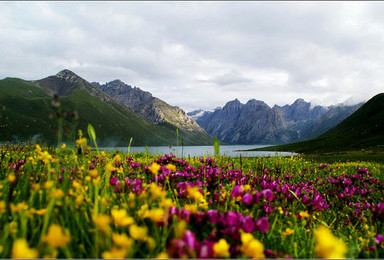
(200, 151)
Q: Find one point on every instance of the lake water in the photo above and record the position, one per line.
(200, 151)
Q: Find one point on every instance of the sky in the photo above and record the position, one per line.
(203, 54)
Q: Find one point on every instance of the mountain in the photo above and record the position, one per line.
(364, 129)
(30, 114)
(257, 123)
(155, 110)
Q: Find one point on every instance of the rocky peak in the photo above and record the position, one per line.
(67, 75)
(233, 105)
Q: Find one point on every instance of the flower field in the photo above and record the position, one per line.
(78, 203)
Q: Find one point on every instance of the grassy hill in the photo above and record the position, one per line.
(28, 115)
(364, 129)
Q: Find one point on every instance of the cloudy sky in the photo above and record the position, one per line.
(203, 54)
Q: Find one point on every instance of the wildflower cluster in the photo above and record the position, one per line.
(68, 203)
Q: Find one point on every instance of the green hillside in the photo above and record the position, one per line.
(29, 115)
(364, 129)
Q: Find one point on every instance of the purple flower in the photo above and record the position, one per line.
(267, 194)
(190, 240)
(379, 239)
(262, 224)
(248, 225)
(247, 198)
(113, 181)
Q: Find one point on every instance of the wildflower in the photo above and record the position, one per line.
(121, 240)
(156, 215)
(19, 207)
(38, 148)
(138, 233)
(304, 214)
(94, 173)
(102, 222)
(262, 224)
(120, 217)
(288, 232)
(156, 191)
(329, 246)
(171, 167)
(21, 249)
(3, 206)
(81, 142)
(154, 168)
(63, 146)
(57, 193)
(39, 212)
(191, 207)
(162, 255)
(45, 157)
(56, 236)
(194, 193)
(221, 249)
(115, 253)
(379, 239)
(11, 178)
(251, 247)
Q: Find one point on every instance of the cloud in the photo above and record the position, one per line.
(203, 54)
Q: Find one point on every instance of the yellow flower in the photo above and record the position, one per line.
(38, 149)
(19, 207)
(171, 167)
(20, 249)
(56, 236)
(3, 206)
(94, 173)
(57, 193)
(47, 185)
(102, 222)
(120, 218)
(329, 246)
(11, 178)
(45, 157)
(156, 191)
(121, 240)
(63, 146)
(221, 249)
(304, 214)
(251, 247)
(288, 232)
(115, 253)
(154, 168)
(138, 233)
(191, 207)
(82, 142)
(109, 167)
(117, 158)
(162, 255)
(156, 215)
(39, 212)
(194, 193)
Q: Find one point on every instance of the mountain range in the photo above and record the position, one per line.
(30, 113)
(257, 123)
(364, 129)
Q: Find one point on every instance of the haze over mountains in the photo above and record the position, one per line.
(257, 123)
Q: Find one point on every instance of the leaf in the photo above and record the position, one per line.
(91, 132)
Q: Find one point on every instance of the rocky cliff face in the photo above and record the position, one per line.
(151, 108)
(256, 123)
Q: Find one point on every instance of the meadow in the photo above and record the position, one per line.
(83, 203)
